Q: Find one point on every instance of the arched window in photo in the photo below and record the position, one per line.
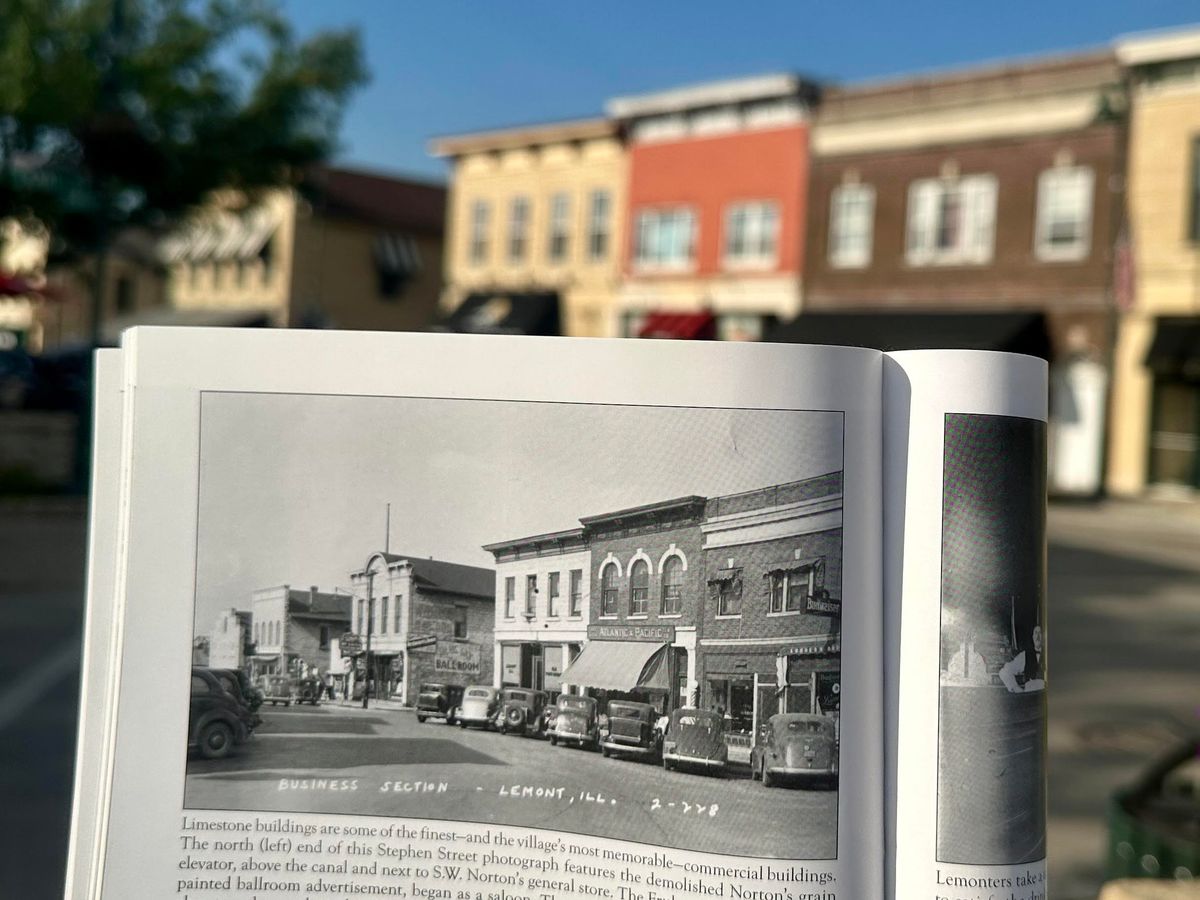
(608, 590)
(672, 587)
(639, 588)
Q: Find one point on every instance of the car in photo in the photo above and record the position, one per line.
(308, 690)
(277, 689)
(522, 711)
(480, 705)
(631, 730)
(576, 722)
(217, 720)
(439, 701)
(795, 747)
(695, 738)
(237, 683)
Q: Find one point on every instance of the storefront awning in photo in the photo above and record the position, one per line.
(618, 666)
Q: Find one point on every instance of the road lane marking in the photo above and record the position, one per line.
(38, 681)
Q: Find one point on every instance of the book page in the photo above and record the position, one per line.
(99, 616)
(965, 558)
(529, 618)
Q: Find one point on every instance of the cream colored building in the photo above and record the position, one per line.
(535, 214)
(356, 250)
(1155, 434)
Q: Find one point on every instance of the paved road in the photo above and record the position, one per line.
(395, 766)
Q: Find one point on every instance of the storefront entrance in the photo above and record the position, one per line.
(1175, 434)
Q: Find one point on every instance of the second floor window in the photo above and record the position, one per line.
(598, 225)
(751, 234)
(552, 591)
(362, 616)
(324, 639)
(576, 608)
(510, 592)
(1064, 214)
(639, 588)
(518, 229)
(790, 590)
(608, 590)
(383, 615)
(531, 593)
(672, 587)
(460, 622)
(851, 219)
(558, 240)
(665, 239)
(481, 213)
(951, 221)
(398, 614)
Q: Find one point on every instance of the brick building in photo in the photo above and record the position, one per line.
(425, 620)
(295, 631)
(646, 586)
(771, 607)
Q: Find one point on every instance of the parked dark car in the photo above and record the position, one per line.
(237, 683)
(521, 711)
(631, 729)
(217, 720)
(480, 706)
(309, 690)
(277, 689)
(695, 738)
(795, 746)
(439, 701)
(577, 722)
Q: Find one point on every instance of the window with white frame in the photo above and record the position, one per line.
(1064, 213)
(639, 588)
(789, 590)
(531, 592)
(751, 234)
(552, 592)
(576, 607)
(560, 227)
(951, 221)
(665, 239)
(608, 590)
(510, 591)
(851, 221)
(518, 229)
(481, 213)
(598, 225)
(672, 587)
(383, 615)
(399, 613)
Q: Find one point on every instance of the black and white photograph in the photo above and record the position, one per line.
(612, 620)
(992, 703)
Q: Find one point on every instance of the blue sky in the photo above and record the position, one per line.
(449, 67)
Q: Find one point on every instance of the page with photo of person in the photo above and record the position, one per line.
(479, 617)
(965, 593)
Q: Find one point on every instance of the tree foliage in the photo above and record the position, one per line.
(129, 112)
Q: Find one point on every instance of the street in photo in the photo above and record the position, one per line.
(619, 621)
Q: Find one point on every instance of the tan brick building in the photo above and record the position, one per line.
(1155, 434)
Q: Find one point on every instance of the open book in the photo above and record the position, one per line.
(485, 618)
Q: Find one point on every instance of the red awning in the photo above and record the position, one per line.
(700, 326)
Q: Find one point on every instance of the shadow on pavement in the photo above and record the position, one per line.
(336, 753)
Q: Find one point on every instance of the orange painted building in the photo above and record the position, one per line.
(715, 208)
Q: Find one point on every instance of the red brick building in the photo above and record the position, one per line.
(718, 176)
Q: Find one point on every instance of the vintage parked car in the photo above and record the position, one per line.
(309, 690)
(631, 729)
(439, 701)
(521, 711)
(217, 720)
(277, 689)
(795, 746)
(695, 737)
(238, 684)
(577, 721)
(480, 704)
